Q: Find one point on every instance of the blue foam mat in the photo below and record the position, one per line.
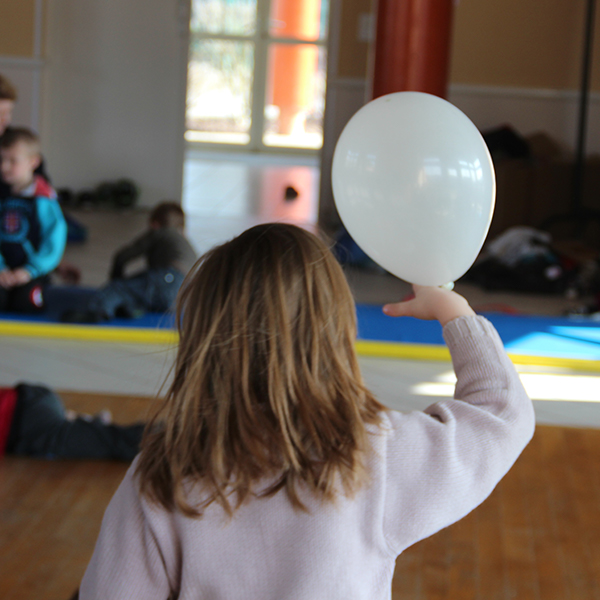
(522, 334)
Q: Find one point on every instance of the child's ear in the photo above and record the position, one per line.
(36, 161)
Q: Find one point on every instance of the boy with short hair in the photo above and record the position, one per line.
(33, 232)
(168, 255)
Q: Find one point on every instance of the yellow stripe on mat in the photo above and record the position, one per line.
(400, 350)
(397, 350)
(441, 353)
(91, 333)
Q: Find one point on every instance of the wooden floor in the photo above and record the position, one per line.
(536, 537)
(50, 511)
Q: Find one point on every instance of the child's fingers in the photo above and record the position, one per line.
(399, 309)
(424, 304)
(6, 278)
(21, 277)
(408, 307)
(431, 303)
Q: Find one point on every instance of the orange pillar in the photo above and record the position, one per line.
(412, 47)
(294, 66)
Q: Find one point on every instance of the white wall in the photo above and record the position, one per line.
(113, 100)
(24, 74)
(530, 110)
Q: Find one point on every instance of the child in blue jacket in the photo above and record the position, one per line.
(33, 231)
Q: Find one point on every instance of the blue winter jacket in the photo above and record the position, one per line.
(33, 231)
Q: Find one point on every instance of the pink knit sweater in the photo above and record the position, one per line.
(427, 470)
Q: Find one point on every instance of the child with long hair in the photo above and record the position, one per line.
(269, 471)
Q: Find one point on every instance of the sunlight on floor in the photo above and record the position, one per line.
(539, 386)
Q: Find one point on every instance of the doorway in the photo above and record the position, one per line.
(257, 74)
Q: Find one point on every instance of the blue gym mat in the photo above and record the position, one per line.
(553, 341)
(522, 334)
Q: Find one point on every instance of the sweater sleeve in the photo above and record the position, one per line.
(138, 247)
(442, 463)
(129, 560)
(53, 233)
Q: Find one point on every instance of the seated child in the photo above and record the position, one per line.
(33, 232)
(34, 422)
(168, 255)
(275, 472)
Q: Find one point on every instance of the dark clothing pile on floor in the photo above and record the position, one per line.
(524, 259)
(521, 259)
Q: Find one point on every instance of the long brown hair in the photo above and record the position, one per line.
(266, 383)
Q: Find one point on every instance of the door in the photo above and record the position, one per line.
(257, 73)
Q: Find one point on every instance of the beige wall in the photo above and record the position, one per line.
(353, 54)
(17, 27)
(512, 43)
(521, 43)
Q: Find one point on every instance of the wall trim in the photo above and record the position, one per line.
(467, 89)
(21, 62)
(518, 92)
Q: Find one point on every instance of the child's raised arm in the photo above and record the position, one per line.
(443, 462)
(431, 303)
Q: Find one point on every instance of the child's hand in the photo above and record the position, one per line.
(431, 303)
(68, 272)
(6, 278)
(21, 277)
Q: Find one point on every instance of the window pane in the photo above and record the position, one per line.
(295, 96)
(219, 91)
(231, 17)
(299, 19)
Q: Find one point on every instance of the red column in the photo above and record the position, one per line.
(412, 47)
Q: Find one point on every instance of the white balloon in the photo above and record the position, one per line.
(414, 185)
